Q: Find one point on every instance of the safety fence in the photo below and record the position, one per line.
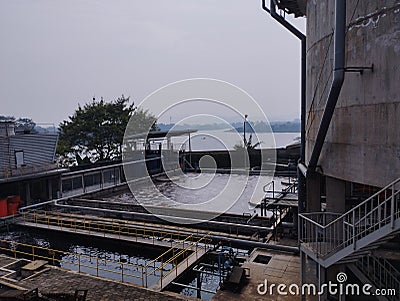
(108, 227)
(98, 178)
(145, 274)
(80, 182)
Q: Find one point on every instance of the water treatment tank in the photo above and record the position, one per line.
(363, 141)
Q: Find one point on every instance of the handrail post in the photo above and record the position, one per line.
(161, 274)
(146, 274)
(354, 229)
(379, 208)
(300, 229)
(392, 205)
(316, 241)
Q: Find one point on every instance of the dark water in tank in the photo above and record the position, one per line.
(93, 256)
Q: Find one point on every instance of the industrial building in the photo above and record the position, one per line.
(349, 173)
(27, 165)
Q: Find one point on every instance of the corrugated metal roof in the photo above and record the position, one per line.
(39, 151)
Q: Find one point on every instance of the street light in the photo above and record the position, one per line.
(244, 130)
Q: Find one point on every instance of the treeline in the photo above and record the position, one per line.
(258, 126)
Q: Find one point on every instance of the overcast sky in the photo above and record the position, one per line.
(55, 54)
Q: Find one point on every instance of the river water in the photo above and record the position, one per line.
(227, 140)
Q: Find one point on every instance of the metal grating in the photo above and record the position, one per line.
(296, 7)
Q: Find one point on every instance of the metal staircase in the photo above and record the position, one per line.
(381, 273)
(330, 238)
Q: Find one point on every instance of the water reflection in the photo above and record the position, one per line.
(114, 260)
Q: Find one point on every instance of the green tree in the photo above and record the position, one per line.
(96, 130)
(247, 144)
(26, 125)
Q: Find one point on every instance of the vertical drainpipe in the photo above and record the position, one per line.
(301, 187)
(337, 83)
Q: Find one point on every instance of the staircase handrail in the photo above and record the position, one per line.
(345, 229)
(356, 207)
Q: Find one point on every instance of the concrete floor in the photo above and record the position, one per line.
(282, 268)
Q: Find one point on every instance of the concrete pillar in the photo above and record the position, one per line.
(321, 281)
(50, 189)
(335, 195)
(335, 202)
(313, 193)
(303, 268)
(331, 275)
(59, 186)
(28, 193)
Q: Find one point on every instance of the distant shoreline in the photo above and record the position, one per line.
(251, 127)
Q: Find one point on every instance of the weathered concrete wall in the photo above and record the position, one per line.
(363, 141)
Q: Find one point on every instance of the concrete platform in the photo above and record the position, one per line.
(282, 268)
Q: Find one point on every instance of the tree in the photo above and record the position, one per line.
(247, 144)
(22, 125)
(96, 131)
(26, 125)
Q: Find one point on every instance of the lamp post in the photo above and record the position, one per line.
(244, 130)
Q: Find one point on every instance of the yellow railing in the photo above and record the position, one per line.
(79, 261)
(107, 227)
(192, 247)
(61, 258)
(180, 245)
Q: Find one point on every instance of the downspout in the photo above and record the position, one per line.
(301, 188)
(337, 83)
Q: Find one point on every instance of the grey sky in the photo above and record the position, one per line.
(56, 54)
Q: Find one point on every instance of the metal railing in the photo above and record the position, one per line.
(192, 247)
(267, 189)
(102, 267)
(76, 261)
(107, 227)
(90, 180)
(381, 272)
(325, 233)
(98, 178)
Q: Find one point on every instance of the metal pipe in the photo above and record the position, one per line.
(337, 83)
(237, 241)
(256, 244)
(193, 287)
(301, 183)
(161, 216)
(303, 169)
(281, 20)
(301, 186)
